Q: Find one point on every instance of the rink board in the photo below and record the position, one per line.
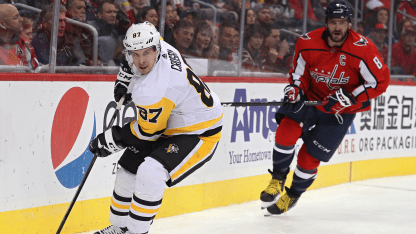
(47, 124)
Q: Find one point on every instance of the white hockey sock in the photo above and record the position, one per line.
(121, 199)
(150, 185)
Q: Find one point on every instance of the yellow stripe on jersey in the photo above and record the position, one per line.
(204, 151)
(124, 207)
(152, 120)
(143, 210)
(194, 127)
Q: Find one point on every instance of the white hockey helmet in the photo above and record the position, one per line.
(141, 36)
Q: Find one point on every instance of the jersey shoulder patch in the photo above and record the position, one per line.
(362, 42)
(305, 36)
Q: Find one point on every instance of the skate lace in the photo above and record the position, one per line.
(274, 187)
(284, 202)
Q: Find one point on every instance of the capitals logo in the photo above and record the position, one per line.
(330, 79)
(72, 129)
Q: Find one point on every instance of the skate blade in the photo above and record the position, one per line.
(268, 214)
(265, 205)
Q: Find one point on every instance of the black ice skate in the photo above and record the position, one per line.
(135, 233)
(285, 203)
(272, 193)
(112, 230)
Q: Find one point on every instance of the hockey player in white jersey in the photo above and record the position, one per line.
(177, 130)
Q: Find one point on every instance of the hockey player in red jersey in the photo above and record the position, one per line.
(334, 64)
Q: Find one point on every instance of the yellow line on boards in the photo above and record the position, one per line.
(94, 214)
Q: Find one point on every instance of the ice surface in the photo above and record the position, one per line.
(376, 206)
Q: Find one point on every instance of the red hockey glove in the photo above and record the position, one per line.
(292, 93)
(338, 101)
(107, 143)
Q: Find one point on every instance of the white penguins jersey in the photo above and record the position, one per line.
(172, 100)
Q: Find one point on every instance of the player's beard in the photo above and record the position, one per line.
(342, 38)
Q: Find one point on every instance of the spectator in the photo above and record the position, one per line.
(403, 24)
(183, 34)
(76, 10)
(136, 6)
(180, 5)
(377, 36)
(169, 22)
(83, 38)
(91, 9)
(234, 7)
(319, 8)
(124, 5)
(380, 15)
(275, 53)
(110, 45)
(253, 39)
(224, 10)
(106, 19)
(370, 6)
(279, 9)
(409, 7)
(297, 6)
(13, 48)
(27, 32)
(42, 40)
(125, 16)
(263, 16)
(203, 44)
(404, 52)
(360, 27)
(216, 30)
(228, 40)
(176, 12)
(148, 13)
(191, 16)
(250, 17)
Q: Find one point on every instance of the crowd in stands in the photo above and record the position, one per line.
(25, 36)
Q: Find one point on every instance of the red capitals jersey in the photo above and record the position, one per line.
(320, 70)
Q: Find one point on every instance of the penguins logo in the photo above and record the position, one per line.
(172, 149)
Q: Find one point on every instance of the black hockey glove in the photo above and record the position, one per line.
(122, 83)
(293, 93)
(338, 101)
(107, 143)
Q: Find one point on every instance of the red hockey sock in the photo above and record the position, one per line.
(288, 132)
(306, 161)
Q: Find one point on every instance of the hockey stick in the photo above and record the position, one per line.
(119, 104)
(307, 103)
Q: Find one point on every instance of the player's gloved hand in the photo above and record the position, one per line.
(107, 143)
(120, 88)
(122, 83)
(293, 93)
(338, 101)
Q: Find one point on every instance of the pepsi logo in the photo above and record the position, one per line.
(73, 127)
